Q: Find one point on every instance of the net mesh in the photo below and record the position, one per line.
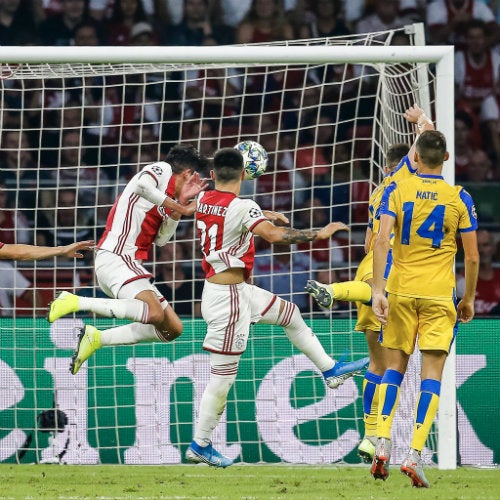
(74, 134)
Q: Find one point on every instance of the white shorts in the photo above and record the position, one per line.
(121, 277)
(228, 311)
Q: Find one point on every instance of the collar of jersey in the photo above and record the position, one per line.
(430, 176)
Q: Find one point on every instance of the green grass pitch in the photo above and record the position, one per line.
(238, 482)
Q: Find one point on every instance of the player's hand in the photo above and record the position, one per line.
(413, 113)
(380, 306)
(75, 249)
(276, 217)
(191, 188)
(465, 311)
(330, 229)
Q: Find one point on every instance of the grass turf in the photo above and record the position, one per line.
(238, 482)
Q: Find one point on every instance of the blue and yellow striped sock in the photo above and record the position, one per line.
(427, 407)
(371, 385)
(390, 386)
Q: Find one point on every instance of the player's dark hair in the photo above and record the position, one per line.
(228, 164)
(395, 153)
(183, 157)
(431, 148)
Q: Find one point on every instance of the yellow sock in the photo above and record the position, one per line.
(352, 291)
(427, 407)
(388, 400)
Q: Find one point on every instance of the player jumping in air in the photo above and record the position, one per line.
(226, 225)
(145, 213)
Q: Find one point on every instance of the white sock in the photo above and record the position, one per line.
(132, 333)
(132, 309)
(213, 401)
(303, 338)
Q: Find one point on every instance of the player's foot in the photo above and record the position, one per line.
(207, 455)
(366, 449)
(341, 371)
(413, 468)
(89, 341)
(322, 294)
(64, 303)
(381, 459)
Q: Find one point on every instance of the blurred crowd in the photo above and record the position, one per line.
(58, 216)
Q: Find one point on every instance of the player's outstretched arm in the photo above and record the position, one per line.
(289, 235)
(33, 252)
(415, 114)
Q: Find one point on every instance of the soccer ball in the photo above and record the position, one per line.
(254, 158)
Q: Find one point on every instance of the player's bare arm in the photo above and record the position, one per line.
(465, 308)
(381, 248)
(32, 252)
(285, 235)
(415, 114)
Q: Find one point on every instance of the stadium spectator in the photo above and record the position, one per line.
(489, 118)
(479, 168)
(264, 22)
(446, 20)
(89, 33)
(143, 34)
(60, 221)
(313, 157)
(230, 304)
(14, 286)
(464, 143)
(197, 28)
(14, 227)
(477, 68)
(17, 23)
(19, 170)
(280, 179)
(353, 10)
(74, 170)
(417, 302)
(284, 271)
(385, 16)
(175, 280)
(212, 93)
(126, 14)
(323, 19)
(145, 213)
(59, 28)
(315, 214)
(487, 300)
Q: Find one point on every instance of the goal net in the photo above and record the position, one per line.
(77, 123)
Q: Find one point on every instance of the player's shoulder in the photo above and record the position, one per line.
(158, 168)
(403, 170)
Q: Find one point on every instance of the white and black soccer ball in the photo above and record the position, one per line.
(254, 158)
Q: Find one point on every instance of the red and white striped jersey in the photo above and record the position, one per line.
(224, 225)
(133, 221)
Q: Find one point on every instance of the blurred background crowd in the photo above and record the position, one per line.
(472, 26)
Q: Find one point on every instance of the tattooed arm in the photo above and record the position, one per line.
(288, 235)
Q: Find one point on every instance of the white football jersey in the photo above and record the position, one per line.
(133, 221)
(224, 223)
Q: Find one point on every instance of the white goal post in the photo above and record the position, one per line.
(73, 61)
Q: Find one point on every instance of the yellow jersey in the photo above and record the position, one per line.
(428, 213)
(402, 171)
